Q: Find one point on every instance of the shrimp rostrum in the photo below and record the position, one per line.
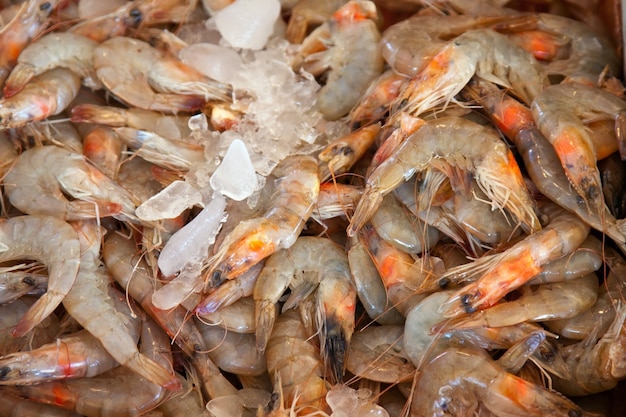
(457, 147)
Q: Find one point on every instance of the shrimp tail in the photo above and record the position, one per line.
(369, 203)
(154, 372)
(80, 209)
(335, 347)
(19, 77)
(41, 309)
(265, 314)
(91, 113)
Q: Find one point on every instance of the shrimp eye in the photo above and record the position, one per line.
(44, 7)
(136, 15)
(4, 371)
(465, 299)
(574, 413)
(443, 283)
(346, 150)
(28, 280)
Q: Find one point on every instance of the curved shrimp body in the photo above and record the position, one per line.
(374, 104)
(560, 112)
(311, 263)
(452, 144)
(53, 242)
(37, 182)
(45, 95)
(458, 381)
(89, 302)
(482, 53)
(75, 356)
(58, 49)
(351, 31)
(30, 20)
(512, 268)
(117, 392)
(151, 80)
(279, 227)
(296, 366)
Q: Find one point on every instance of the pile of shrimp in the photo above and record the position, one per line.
(456, 248)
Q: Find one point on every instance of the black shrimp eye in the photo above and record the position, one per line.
(574, 413)
(44, 7)
(443, 283)
(136, 15)
(28, 280)
(466, 299)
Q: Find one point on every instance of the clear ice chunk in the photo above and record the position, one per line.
(235, 176)
(169, 202)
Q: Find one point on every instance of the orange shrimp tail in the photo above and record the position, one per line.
(91, 113)
(17, 80)
(355, 11)
(42, 308)
(153, 372)
(78, 209)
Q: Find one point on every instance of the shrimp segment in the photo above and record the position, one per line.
(53, 242)
(452, 144)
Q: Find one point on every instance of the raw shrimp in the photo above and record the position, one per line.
(30, 20)
(237, 317)
(57, 49)
(374, 104)
(557, 300)
(46, 95)
(335, 200)
(143, 77)
(18, 280)
(540, 158)
(71, 356)
(341, 154)
(296, 366)
(55, 130)
(51, 241)
(482, 53)
(37, 182)
(512, 268)
(308, 13)
(116, 393)
(560, 113)
(90, 304)
(458, 381)
(369, 287)
(478, 150)
(255, 239)
(103, 148)
(351, 31)
(12, 405)
(311, 263)
(377, 353)
(131, 273)
(8, 153)
(233, 352)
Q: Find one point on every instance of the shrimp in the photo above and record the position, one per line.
(557, 300)
(512, 268)
(57, 49)
(30, 20)
(540, 158)
(560, 112)
(308, 13)
(37, 182)
(377, 353)
(103, 148)
(89, 303)
(296, 366)
(278, 228)
(51, 241)
(131, 273)
(341, 154)
(299, 268)
(237, 317)
(143, 77)
(369, 287)
(18, 280)
(76, 355)
(482, 53)
(12, 405)
(46, 95)
(479, 152)
(374, 104)
(117, 392)
(351, 32)
(459, 381)
(335, 200)
(233, 352)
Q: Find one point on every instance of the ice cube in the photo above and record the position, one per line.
(248, 23)
(235, 176)
(218, 62)
(170, 202)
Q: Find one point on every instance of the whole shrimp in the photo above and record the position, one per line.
(46, 95)
(500, 273)
(51, 241)
(143, 77)
(29, 21)
(118, 392)
(39, 178)
(295, 365)
(350, 31)
(460, 381)
(89, 303)
(560, 113)
(479, 151)
(482, 53)
(57, 49)
(237, 317)
(311, 263)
